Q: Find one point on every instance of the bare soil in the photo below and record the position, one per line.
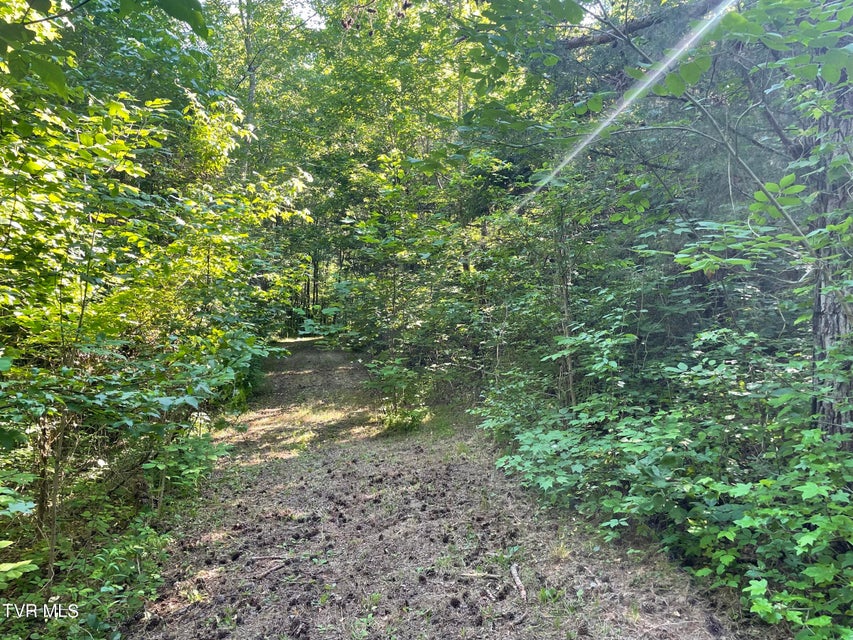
(319, 527)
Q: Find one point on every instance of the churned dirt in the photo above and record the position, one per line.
(319, 527)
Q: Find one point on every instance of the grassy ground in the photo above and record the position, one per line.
(319, 527)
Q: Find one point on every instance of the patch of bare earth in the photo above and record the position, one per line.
(319, 528)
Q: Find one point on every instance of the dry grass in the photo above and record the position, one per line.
(318, 529)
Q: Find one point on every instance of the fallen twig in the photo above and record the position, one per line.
(259, 558)
(477, 574)
(518, 584)
(519, 620)
(657, 627)
(272, 569)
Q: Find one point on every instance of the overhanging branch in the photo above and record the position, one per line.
(691, 11)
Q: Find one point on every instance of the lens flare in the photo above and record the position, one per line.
(633, 95)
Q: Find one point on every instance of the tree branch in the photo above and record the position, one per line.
(61, 14)
(645, 161)
(638, 24)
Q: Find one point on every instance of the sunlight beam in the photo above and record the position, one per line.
(633, 95)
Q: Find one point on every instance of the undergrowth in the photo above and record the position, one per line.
(727, 470)
(107, 562)
(115, 443)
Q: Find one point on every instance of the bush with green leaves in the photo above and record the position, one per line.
(726, 471)
(401, 394)
(106, 582)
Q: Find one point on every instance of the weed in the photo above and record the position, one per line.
(370, 602)
(328, 594)
(360, 629)
(549, 595)
(561, 552)
(505, 557)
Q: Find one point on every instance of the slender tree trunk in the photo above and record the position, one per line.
(247, 21)
(832, 319)
(831, 325)
(315, 294)
(58, 459)
(564, 285)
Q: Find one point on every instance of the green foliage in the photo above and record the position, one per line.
(725, 473)
(136, 296)
(181, 464)
(660, 330)
(401, 392)
(105, 585)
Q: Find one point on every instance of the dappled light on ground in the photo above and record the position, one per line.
(311, 397)
(317, 529)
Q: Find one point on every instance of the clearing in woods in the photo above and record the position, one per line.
(319, 527)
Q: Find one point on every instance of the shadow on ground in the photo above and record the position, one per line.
(316, 529)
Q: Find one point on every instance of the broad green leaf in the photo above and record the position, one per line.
(821, 573)
(787, 200)
(819, 621)
(595, 103)
(806, 540)
(703, 62)
(757, 587)
(740, 489)
(501, 64)
(51, 74)
(747, 521)
(806, 72)
(635, 73)
(725, 560)
(14, 35)
(831, 72)
(833, 63)
(735, 24)
(22, 507)
(675, 84)
(11, 438)
(566, 11)
(812, 489)
(42, 6)
(17, 568)
(189, 11)
(691, 72)
(19, 66)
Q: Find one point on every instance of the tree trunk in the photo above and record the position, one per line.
(247, 22)
(831, 325)
(832, 319)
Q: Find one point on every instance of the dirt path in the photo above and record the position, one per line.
(318, 529)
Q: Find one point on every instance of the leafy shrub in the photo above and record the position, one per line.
(105, 585)
(726, 471)
(114, 435)
(400, 388)
(14, 504)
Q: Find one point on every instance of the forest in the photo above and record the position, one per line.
(619, 232)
